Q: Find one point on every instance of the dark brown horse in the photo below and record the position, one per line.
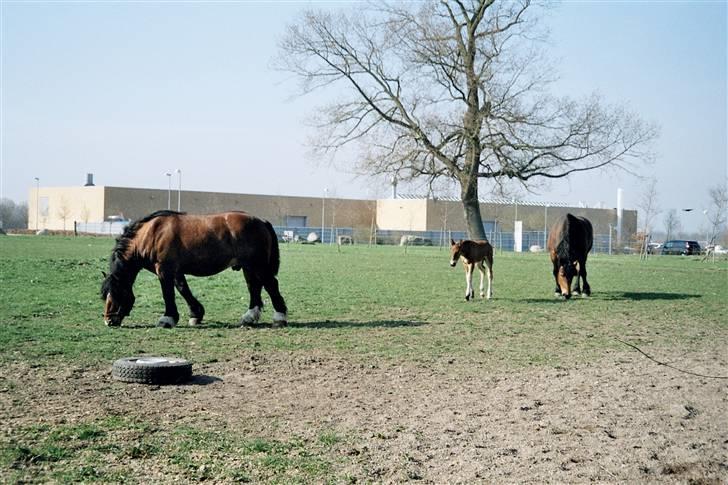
(473, 253)
(570, 241)
(173, 244)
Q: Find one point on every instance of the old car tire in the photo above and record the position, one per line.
(152, 370)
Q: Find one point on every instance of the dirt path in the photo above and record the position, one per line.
(623, 419)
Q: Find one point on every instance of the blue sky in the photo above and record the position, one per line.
(129, 91)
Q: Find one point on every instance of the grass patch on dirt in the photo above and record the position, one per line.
(116, 449)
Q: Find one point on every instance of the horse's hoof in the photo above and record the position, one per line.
(109, 323)
(194, 321)
(279, 319)
(557, 295)
(251, 316)
(166, 322)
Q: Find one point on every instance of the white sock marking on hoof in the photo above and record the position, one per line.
(280, 318)
(194, 321)
(251, 316)
(166, 322)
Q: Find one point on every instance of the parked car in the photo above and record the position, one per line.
(653, 248)
(681, 247)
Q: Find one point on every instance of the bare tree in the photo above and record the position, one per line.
(454, 89)
(12, 215)
(672, 224)
(649, 207)
(717, 214)
(64, 211)
(85, 214)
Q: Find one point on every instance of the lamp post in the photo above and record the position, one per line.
(323, 214)
(545, 223)
(179, 191)
(169, 190)
(37, 200)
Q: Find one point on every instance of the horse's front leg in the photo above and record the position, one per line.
(557, 291)
(578, 268)
(197, 311)
(582, 272)
(255, 287)
(171, 315)
(468, 280)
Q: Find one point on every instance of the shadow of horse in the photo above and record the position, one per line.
(324, 324)
(646, 295)
(622, 296)
(333, 324)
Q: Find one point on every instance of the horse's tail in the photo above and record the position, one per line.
(275, 253)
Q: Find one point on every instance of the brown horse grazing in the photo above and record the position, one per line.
(570, 240)
(473, 253)
(172, 244)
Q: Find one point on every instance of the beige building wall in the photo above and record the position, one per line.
(55, 208)
(59, 207)
(403, 214)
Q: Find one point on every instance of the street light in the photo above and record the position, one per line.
(545, 225)
(323, 214)
(37, 199)
(169, 190)
(179, 191)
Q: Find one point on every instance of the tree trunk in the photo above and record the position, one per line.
(469, 196)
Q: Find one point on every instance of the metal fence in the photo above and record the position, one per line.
(110, 228)
(500, 240)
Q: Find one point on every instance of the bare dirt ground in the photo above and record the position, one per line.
(624, 419)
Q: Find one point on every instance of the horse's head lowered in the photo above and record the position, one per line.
(455, 250)
(119, 299)
(565, 275)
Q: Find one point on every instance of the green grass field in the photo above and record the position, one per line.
(359, 304)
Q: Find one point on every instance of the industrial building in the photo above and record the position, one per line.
(63, 208)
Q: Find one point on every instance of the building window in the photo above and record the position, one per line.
(295, 221)
(43, 206)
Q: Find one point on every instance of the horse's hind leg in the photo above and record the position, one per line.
(255, 287)
(489, 267)
(280, 316)
(197, 311)
(481, 269)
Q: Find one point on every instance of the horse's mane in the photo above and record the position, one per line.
(130, 231)
(563, 249)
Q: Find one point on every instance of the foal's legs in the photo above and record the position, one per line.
(469, 267)
(489, 266)
(167, 280)
(197, 311)
(255, 286)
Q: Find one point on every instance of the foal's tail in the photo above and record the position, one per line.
(275, 254)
